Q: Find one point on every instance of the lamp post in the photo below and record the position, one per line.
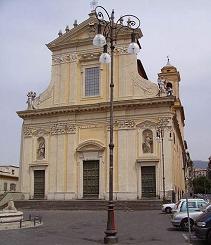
(160, 135)
(107, 38)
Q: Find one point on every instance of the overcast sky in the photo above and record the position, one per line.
(180, 29)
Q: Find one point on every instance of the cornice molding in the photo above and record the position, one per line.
(146, 160)
(101, 107)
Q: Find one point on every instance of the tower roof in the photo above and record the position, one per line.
(168, 67)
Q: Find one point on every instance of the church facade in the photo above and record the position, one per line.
(65, 132)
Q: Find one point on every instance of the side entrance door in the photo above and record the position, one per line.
(148, 180)
(39, 184)
(91, 179)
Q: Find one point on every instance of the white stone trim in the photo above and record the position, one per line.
(140, 163)
(31, 174)
(90, 150)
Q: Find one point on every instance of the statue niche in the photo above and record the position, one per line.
(40, 148)
(147, 145)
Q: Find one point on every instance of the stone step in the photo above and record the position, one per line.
(87, 205)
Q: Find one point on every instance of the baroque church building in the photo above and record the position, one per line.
(65, 132)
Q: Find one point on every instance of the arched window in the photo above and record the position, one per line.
(147, 145)
(169, 89)
(40, 148)
(5, 186)
(169, 85)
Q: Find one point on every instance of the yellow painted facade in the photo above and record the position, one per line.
(65, 133)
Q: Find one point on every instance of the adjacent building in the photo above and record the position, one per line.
(9, 176)
(65, 132)
(198, 172)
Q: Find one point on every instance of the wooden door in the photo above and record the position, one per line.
(148, 180)
(90, 179)
(39, 184)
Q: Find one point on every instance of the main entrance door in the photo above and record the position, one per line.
(148, 178)
(90, 179)
(39, 184)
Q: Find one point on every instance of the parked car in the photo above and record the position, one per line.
(203, 225)
(168, 207)
(180, 216)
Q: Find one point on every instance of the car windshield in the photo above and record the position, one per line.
(191, 206)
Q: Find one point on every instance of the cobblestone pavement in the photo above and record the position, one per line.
(87, 227)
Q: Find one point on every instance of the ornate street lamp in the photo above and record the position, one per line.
(107, 39)
(160, 135)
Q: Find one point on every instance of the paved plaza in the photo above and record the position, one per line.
(87, 227)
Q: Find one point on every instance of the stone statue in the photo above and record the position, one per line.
(164, 87)
(161, 86)
(147, 145)
(10, 207)
(31, 97)
(41, 149)
(10, 214)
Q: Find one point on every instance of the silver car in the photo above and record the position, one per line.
(180, 216)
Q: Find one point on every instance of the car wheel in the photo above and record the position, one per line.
(184, 224)
(168, 210)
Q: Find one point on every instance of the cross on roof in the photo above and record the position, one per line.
(93, 4)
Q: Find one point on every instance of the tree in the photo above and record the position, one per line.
(202, 185)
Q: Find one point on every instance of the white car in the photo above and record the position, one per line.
(168, 207)
(180, 216)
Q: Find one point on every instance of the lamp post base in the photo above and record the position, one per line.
(110, 237)
(110, 240)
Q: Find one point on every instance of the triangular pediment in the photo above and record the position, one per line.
(83, 34)
(84, 31)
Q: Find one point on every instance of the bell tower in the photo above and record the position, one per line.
(171, 78)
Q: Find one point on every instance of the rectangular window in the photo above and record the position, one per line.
(5, 186)
(92, 77)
